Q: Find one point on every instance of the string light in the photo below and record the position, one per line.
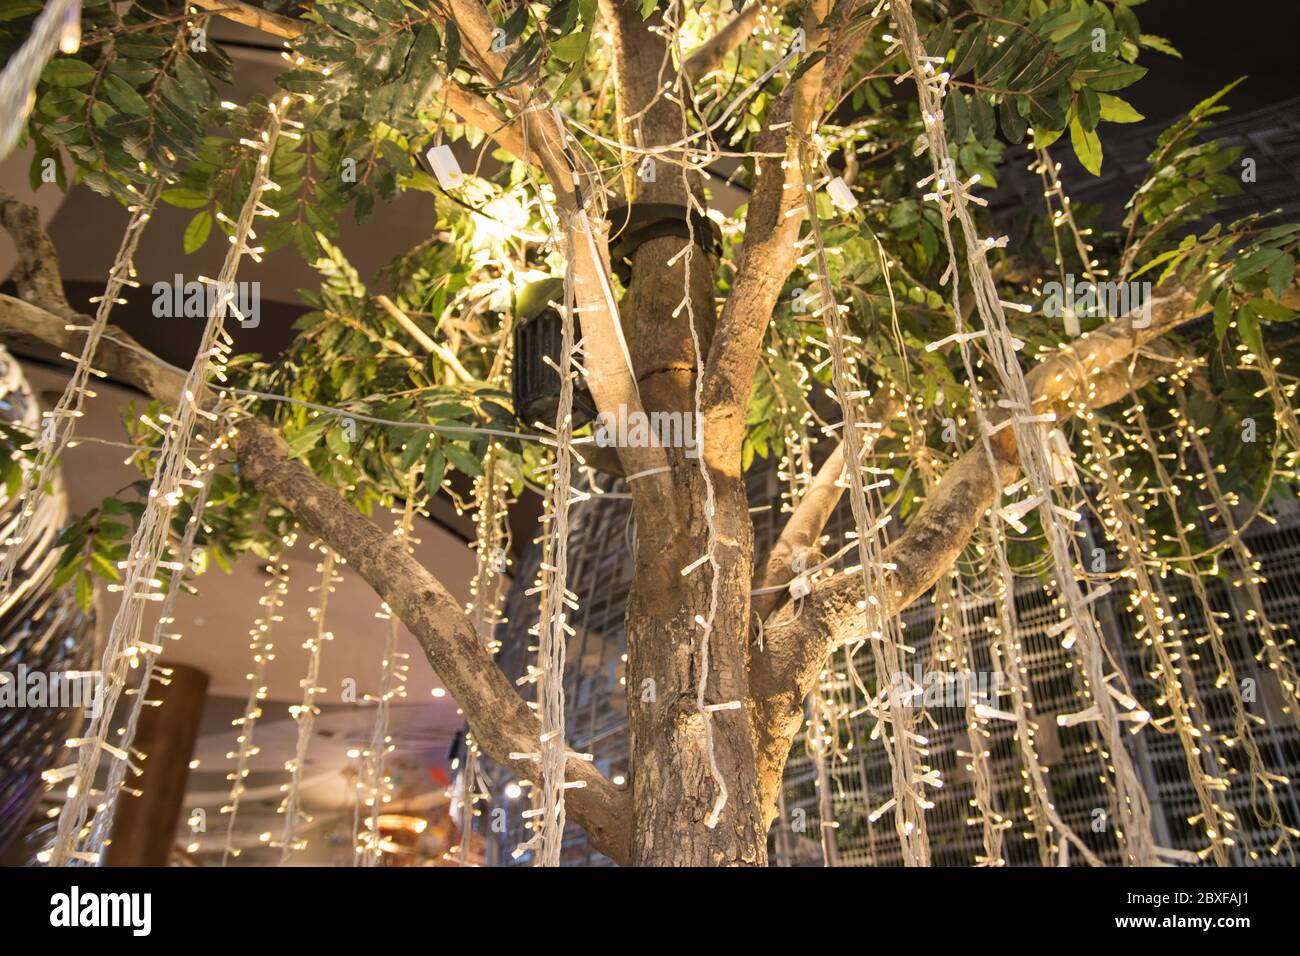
(173, 464)
(492, 543)
(893, 712)
(148, 651)
(953, 199)
(263, 653)
(56, 27)
(373, 786)
(304, 713)
(59, 424)
(1048, 488)
(552, 629)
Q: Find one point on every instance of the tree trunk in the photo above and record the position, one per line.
(674, 787)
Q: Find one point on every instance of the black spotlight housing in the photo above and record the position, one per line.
(539, 333)
(637, 223)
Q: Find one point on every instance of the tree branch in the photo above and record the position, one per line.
(250, 16)
(576, 183)
(500, 719)
(768, 251)
(708, 56)
(36, 275)
(537, 139)
(805, 525)
(1095, 370)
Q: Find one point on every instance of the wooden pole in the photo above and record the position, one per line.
(144, 830)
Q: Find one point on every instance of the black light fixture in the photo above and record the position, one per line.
(637, 223)
(539, 334)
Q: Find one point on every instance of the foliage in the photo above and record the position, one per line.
(139, 100)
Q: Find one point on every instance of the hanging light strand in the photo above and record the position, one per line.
(552, 629)
(58, 424)
(1274, 651)
(374, 788)
(1159, 633)
(893, 709)
(263, 653)
(1263, 783)
(304, 713)
(953, 200)
(149, 652)
(141, 585)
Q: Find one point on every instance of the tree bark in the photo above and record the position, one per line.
(672, 780)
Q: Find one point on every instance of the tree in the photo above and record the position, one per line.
(766, 95)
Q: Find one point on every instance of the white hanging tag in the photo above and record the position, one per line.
(445, 167)
(841, 196)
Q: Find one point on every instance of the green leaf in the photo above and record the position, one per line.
(1152, 42)
(1257, 261)
(1114, 77)
(415, 446)
(185, 198)
(522, 60)
(104, 567)
(958, 117)
(435, 467)
(1088, 109)
(351, 21)
(1222, 313)
(1270, 311)
(1013, 124)
(110, 530)
(68, 72)
(17, 9)
(303, 441)
(1176, 253)
(1045, 138)
(1281, 274)
(986, 127)
(969, 47)
(451, 47)
(65, 572)
(85, 591)
(1248, 329)
(197, 232)
(463, 460)
(1115, 110)
(1087, 146)
(515, 23)
(570, 48)
(124, 97)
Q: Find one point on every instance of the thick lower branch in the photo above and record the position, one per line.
(500, 719)
(1094, 371)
